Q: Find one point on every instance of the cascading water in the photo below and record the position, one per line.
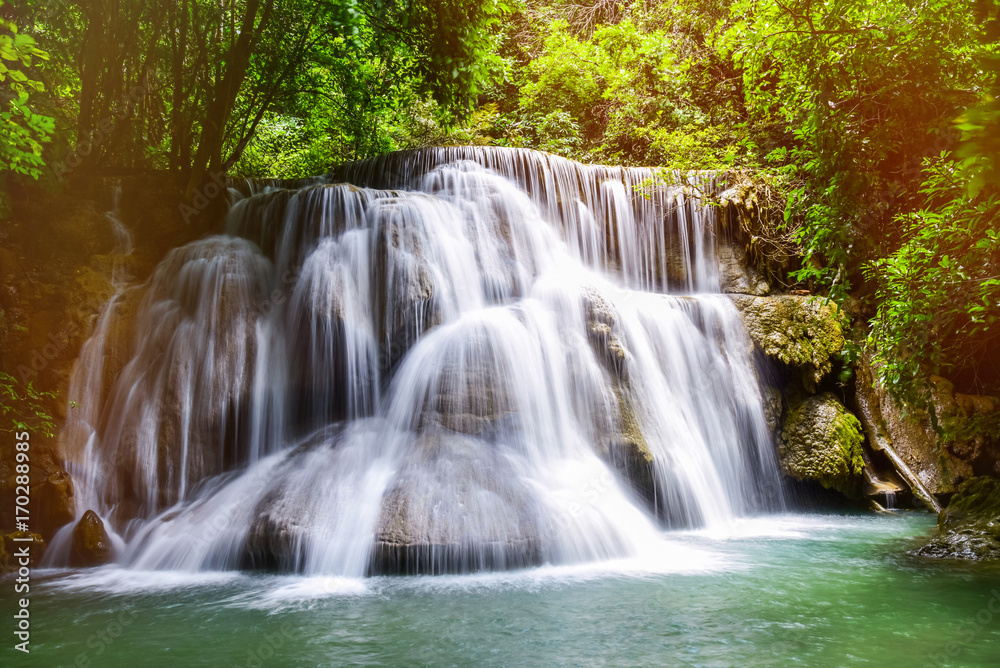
(468, 359)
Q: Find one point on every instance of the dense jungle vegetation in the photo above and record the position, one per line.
(869, 131)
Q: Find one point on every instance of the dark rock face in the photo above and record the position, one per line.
(915, 433)
(969, 528)
(91, 543)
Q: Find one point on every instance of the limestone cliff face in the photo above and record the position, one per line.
(920, 436)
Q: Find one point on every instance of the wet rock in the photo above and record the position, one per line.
(773, 407)
(120, 343)
(802, 332)
(457, 506)
(471, 396)
(736, 275)
(821, 441)
(91, 544)
(404, 290)
(969, 528)
(276, 540)
(626, 448)
(53, 503)
(603, 331)
(628, 451)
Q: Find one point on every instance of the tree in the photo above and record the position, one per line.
(23, 129)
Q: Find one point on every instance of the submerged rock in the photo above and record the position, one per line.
(457, 506)
(821, 441)
(91, 544)
(969, 528)
(802, 332)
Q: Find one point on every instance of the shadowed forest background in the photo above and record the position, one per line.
(864, 136)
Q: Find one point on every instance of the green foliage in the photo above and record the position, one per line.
(866, 90)
(640, 89)
(22, 129)
(939, 293)
(198, 85)
(22, 407)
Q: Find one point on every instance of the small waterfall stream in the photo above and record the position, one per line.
(444, 360)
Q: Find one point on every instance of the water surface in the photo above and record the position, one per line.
(808, 590)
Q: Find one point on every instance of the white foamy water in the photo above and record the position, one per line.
(468, 360)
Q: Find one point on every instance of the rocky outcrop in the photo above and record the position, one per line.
(969, 528)
(821, 441)
(736, 274)
(801, 332)
(91, 544)
(926, 443)
(625, 447)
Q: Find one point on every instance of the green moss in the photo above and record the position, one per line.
(976, 496)
(847, 432)
(821, 441)
(970, 525)
(803, 332)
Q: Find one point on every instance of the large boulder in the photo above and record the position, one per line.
(457, 505)
(821, 441)
(803, 332)
(969, 528)
(91, 544)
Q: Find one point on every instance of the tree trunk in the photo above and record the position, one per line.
(209, 154)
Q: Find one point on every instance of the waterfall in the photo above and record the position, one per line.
(443, 360)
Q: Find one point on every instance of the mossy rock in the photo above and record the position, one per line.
(821, 441)
(970, 525)
(802, 332)
(976, 499)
